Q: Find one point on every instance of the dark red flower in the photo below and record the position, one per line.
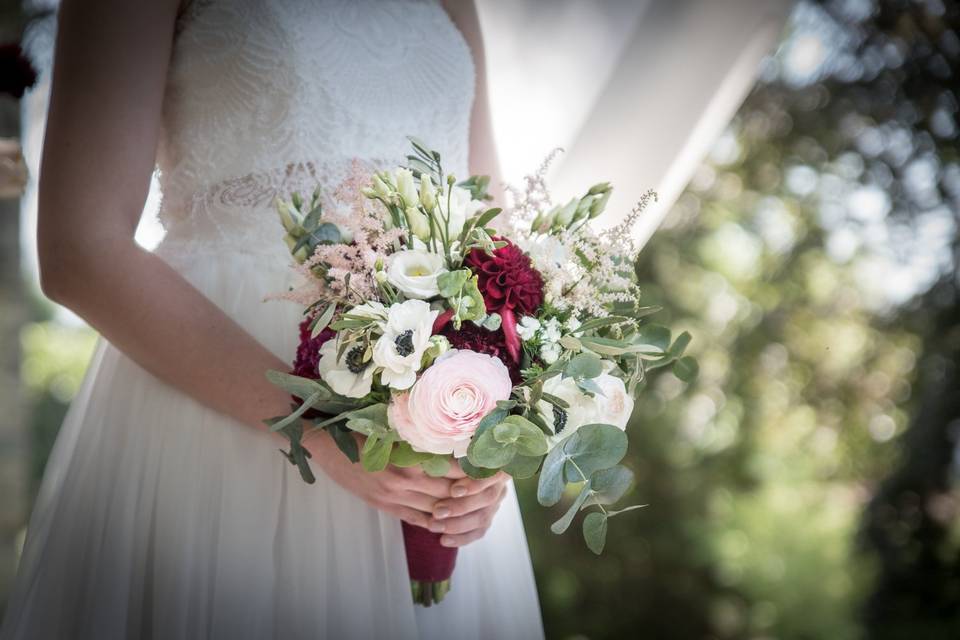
(308, 358)
(507, 279)
(509, 285)
(481, 340)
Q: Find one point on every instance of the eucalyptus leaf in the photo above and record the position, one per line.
(680, 344)
(583, 365)
(376, 453)
(436, 466)
(486, 451)
(525, 436)
(686, 369)
(591, 387)
(632, 507)
(477, 473)
(594, 447)
(598, 323)
(564, 522)
(523, 466)
(655, 335)
(551, 483)
(403, 455)
(609, 485)
(370, 420)
(595, 531)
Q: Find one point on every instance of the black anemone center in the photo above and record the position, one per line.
(404, 343)
(355, 361)
(559, 419)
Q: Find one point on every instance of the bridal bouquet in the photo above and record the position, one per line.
(442, 341)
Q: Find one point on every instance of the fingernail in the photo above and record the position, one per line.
(441, 512)
(446, 541)
(437, 527)
(458, 491)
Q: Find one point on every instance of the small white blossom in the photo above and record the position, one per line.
(572, 323)
(550, 353)
(551, 331)
(528, 327)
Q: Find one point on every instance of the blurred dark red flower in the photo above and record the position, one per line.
(492, 343)
(308, 358)
(16, 73)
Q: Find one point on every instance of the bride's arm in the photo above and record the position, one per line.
(483, 152)
(98, 155)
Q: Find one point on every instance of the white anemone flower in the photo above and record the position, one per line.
(406, 335)
(349, 376)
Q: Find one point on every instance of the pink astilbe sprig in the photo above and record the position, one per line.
(344, 272)
(535, 197)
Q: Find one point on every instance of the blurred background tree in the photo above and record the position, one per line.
(806, 486)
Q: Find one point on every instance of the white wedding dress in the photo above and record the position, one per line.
(161, 518)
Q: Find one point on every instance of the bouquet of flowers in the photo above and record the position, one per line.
(443, 341)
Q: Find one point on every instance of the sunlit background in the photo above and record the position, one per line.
(807, 485)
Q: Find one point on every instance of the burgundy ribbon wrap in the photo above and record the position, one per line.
(427, 559)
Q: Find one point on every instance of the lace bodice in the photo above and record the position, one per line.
(264, 97)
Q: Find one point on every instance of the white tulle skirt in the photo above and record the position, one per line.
(161, 518)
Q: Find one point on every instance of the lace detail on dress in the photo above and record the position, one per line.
(266, 97)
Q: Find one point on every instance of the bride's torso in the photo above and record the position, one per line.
(266, 97)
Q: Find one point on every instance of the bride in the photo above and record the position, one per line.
(166, 510)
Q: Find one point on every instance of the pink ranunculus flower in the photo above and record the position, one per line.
(442, 410)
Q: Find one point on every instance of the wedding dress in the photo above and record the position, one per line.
(161, 518)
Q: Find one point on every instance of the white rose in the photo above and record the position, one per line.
(614, 407)
(406, 188)
(350, 376)
(415, 273)
(528, 327)
(405, 337)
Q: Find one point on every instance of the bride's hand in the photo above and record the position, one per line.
(462, 506)
(466, 517)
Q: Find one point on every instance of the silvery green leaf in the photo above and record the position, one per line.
(345, 441)
(594, 447)
(436, 466)
(376, 453)
(403, 455)
(686, 368)
(477, 473)
(680, 344)
(486, 451)
(323, 320)
(369, 420)
(564, 522)
(299, 411)
(523, 434)
(583, 365)
(523, 466)
(595, 531)
(551, 482)
(654, 335)
(609, 485)
(598, 323)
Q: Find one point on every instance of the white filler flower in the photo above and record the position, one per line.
(414, 272)
(405, 337)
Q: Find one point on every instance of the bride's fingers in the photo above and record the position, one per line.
(416, 480)
(461, 539)
(414, 500)
(469, 486)
(455, 507)
(408, 515)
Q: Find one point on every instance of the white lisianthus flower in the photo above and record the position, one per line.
(418, 222)
(551, 331)
(414, 272)
(550, 352)
(461, 208)
(406, 188)
(528, 327)
(349, 376)
(613, 407)
(406, 336)
(428, 195)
